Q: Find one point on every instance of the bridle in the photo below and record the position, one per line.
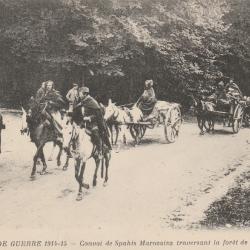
(115, 114)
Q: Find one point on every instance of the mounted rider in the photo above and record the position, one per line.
(147, 101)
(95, 122)
(50, 100)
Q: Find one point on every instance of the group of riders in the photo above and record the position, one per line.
(92, 117)
(83, 110)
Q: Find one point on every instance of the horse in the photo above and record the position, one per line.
(205, 119)
(40, 134)
(2, 126)
(78, 141)
(121, 117)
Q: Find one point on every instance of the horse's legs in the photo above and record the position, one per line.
(123, 132)
(80, 180)
(106, 159)
(77, 167)
(110, 126)
(97, 164)
(52, 152)
(117, 132)
(37, 154)
(80, 177)
(43, 161)
(58, 158)
(201, 124)
(102, 167)
(65, 167)
(212, 125)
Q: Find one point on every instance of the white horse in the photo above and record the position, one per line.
(122, 116)
(78, 142)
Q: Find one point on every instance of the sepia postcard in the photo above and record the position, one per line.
(125, 124)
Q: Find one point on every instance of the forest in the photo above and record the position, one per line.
(113, 46)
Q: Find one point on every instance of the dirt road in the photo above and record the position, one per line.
(152, 186)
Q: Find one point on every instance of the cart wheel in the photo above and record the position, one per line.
(172, 124)
(237, 119)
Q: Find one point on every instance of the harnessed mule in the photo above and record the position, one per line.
(121, 117)
(205, 120)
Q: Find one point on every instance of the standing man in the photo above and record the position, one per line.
(73, 97)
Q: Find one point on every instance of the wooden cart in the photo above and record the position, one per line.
(168, 115)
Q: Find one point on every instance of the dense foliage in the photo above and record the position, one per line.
(113, 46)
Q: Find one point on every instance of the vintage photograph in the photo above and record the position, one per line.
(124, 124)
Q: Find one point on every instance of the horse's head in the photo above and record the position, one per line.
(24, 124)
(68, 134)
(196, 104)
(109, 110)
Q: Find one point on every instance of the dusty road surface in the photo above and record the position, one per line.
(152, 186)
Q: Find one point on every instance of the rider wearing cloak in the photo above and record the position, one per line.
(148, 99)
(47, 101)
(93, 115)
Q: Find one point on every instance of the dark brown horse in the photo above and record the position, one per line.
(205, 119)
(40, 134)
